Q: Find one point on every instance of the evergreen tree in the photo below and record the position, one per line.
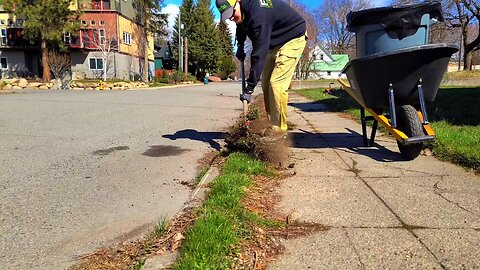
(226, 63)
(46, 21)
(225, 39)
(204, 48)
(186, 17)
(154, 21)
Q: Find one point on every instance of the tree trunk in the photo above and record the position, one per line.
(467, 60)
(467, 52)
(46, 67)
(145, 58)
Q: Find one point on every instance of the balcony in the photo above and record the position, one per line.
(13, 38)
(101, 5)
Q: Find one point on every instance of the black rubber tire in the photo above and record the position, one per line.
(409, 123)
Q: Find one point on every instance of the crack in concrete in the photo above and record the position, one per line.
(354, 249)
(438, 191)
(408, 227)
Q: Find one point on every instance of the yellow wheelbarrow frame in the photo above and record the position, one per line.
(382, 119)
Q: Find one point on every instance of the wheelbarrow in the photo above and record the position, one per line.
(399, 83)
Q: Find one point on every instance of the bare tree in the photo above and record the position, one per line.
(60, 65)
(306, 61)
(332, 16)
(104, 39)
(464, 14)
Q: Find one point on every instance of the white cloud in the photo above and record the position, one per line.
(172, 11)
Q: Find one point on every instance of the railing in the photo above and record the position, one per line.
(101, 5)
(14, 38)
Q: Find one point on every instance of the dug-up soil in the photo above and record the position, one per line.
(251, 135)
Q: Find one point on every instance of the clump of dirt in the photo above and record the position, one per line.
(251, 135)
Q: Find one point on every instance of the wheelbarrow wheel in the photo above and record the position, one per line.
(409, 123)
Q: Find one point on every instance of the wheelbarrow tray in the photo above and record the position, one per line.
(371, 76)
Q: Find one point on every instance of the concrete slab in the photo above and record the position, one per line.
(320, 163)
(456, 249)
(334, 201)
(391, 249)
(418, 201)
(325, 250)
(159, 262)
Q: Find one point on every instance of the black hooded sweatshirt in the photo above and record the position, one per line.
(268, 24)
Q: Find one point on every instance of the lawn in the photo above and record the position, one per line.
(454, 115)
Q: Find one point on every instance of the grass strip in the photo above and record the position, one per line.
(454, 115)
(222, 222)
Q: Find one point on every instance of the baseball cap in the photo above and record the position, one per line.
(226, 8)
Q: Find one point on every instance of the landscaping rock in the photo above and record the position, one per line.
(7, 87)
(33, 85)
(23, 83)
(43, 87)
(16, 87)
(214, 79)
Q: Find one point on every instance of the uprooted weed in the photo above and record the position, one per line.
(247, 136)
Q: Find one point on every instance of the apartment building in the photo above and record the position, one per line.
(110, 40)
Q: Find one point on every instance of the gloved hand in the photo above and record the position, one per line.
(240, 53)
(247, 94)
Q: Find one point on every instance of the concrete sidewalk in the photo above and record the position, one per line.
(383, 212)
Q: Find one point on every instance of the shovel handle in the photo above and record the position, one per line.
(245, 103)
(242, 67)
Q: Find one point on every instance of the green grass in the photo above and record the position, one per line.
(139, 265)
(454, 116)
(160, 228)
(223, 222)
(467, 74)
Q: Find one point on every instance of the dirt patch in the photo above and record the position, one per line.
(164, 151)
(105, 152)
(253, 136)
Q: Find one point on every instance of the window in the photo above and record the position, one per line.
(101, 36)
(127, 38)
(92, 22)
(329, 73)
(96, 64)
(84, 23)
(3, 63)
(10, 23)
(3, 37)
(2, 22)
(101, 22)
(321, 56)
(19, 22)
(67, 39)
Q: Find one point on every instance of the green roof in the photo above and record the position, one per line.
(339, 62)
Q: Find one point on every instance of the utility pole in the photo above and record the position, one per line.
(181, 50)
(186, 60)
(179, 41)
(460, 51)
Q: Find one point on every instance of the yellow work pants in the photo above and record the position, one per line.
(276, 78)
